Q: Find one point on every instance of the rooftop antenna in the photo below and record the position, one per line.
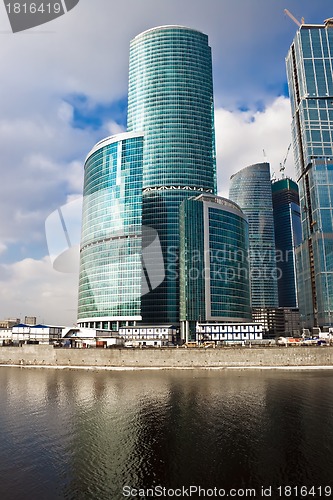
(293, 18)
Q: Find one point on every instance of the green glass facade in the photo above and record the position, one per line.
(287, 228)
(192, 262)
(214, 262)
(251, 189)
(111, 239)
(170, 99)
(310, 79)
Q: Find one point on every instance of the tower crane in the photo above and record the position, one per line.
(296, 21)
(283, 164)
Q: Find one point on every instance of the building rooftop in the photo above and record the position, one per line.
(111, 139)
(285, 183)
(258, 166)
(211, 198)
(167, 26)
(328, 23)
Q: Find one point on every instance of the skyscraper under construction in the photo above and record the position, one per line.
(310, 79)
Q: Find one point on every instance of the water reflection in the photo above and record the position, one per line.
(85, 434)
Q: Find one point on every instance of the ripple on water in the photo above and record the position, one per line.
(84, 435)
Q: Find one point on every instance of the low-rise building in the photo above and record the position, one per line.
(278, 321)
(9, 323)
(155, 336)
(37, 334)
(90, 337)
(228, 332)
(5, 336)
(30, 320)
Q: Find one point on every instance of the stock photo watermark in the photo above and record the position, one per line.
(25, 14)
(195, 491)
(121, 246)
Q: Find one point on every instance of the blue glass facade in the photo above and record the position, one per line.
(170, 99)
(310, 79)
(160, 179)
(251, 189)
(111, 239)
(214, 264)
(287, 228)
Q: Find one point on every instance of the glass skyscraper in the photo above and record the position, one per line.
(110, 284)
(310, 79)
(214, 266)
(251, 189)
(170, 100)
(287, 228)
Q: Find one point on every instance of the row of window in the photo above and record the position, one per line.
(230, 336)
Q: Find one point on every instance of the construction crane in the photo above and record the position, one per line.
(283, 164)
(296, 21)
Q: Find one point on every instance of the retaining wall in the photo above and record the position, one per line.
(41, 355)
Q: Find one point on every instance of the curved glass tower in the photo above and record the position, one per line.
(214, 266)
(170, 99)
(251, 189)
(111, 241)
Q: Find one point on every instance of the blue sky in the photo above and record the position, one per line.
(63, 87)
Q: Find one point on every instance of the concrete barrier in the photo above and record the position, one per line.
(45, 355)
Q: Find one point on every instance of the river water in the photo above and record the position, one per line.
(76, 434)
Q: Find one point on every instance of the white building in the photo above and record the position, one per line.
(155, 336)
(36, 334)
(90, 337)
(229, 332)
(5, 336)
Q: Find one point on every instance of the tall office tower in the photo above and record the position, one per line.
(111, 241)
(170, 100)
(214, 267)
(287, 228)
(310, 79)
(251, 189)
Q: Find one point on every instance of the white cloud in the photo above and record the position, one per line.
(244, 138)
(114, 128)
(66, 112)
(41, 163)
(33, 288)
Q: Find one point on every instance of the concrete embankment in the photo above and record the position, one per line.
(40, 355)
